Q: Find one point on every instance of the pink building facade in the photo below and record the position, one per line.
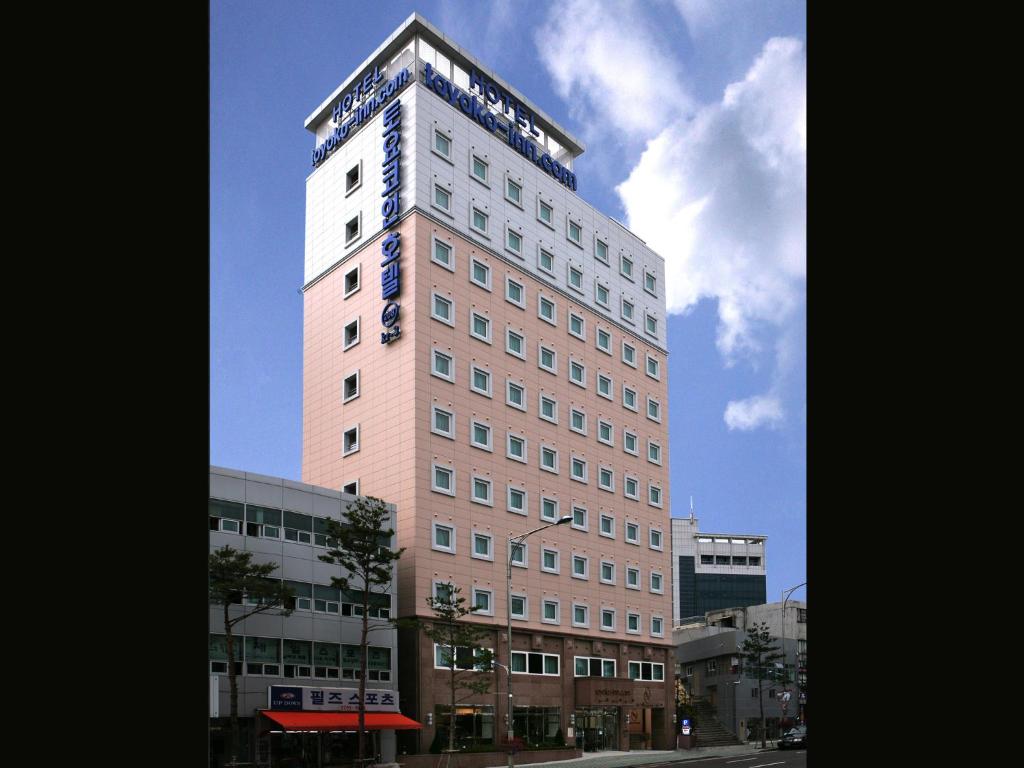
(528, 383)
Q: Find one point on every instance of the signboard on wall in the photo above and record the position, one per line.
(310, 698)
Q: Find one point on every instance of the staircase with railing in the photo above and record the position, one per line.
(710, 732)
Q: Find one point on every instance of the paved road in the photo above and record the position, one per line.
(745, 756)
(789, 758)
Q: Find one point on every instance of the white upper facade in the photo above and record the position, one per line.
(468, 178)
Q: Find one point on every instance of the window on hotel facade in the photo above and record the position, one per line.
(650, 283)
(601, 294)
(443, 423)
(581, 616)
(481, 491)
(353, 178)
(513, 192)
(545, 213)
(632, 533)
(483, 546)
(443, 538)
(480, 381)
(480, 327)
(480, 435)
(442, 145)
(545, 261)
(626, 267)
(608, 619)
(579, 517)
(479, 169)
(515, 293)
(442, 254)
(443, 480)
(442, 366)
(514, 344)
(657, 626)
(574, 231)
(546, 310)
(350, 387)
(604, 386)
(653, 452)
(601, 250)
(627, 310)
(589, 666)
(605, 432)
(549, 409)
(548, 508)
(549, 459)
(480, 274)
(577, 373)
(515, 395)
(351, 334)
(654, 495)
(607, 572)
(607, 526)
(442, 198)
(442, 310)
(629, 442)
(352, 229)
(518, 607)
(580, 567)
(577, 421)
(515, 500)
(350, 440)
(648, 670)
(513, 242)
(656, 583)
(550, 612)
(478, 221)
(604, 341)
(629, 354)
(651, 325)
(531, 663)
(633, 623)
(516, 448)
(653, 368)
(576, 325)
(653, 409)
(547, 359)
(655, 538)
(351, 281)
(575, 279)
(549, 560)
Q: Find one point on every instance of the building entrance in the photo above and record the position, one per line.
(597, 729)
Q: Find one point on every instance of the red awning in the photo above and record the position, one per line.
(339, 721)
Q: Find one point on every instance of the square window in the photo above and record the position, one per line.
(549, 560)
(513, 192)
(580, 615)
(545, 261)
(515, 293)
(653, 453)
(547, 359)
(483, 546)
(549, 409)
(515, 396)
(548, 508)
(632, 533)
(546, 310)
(444, 538)
(627, 311)
(657, 626)
(653, 409)
(633, 623)
(442, 309)
(577, 421)
(480, 435)
(479, 168)
(442, 366)
(631, 488)
(514, 344)
(650, 283)
(629, 398)
(480, 381)
(605, 432)
(351, 281)
(442, 198)
(480, 327)
(607, 572)
(481, 491)
(601, 294)
(604, 340)
(513, 242)
(629, 442)
(442, 254)
(442, 144)
(654, 495)
(629, 354)
(579, 567)
(626, 267)
(632, 578)
(656, 582)
(576, 325)
(351, 334)
(653, 368)
(607, 619)
(604, 386)
(516, 448)
(651, 325)
(607, 526)
(443, 423)
(579, 518)
(482, 601)
(353, 178)
(444, 480)
(519, 555)
(574, 232)
(518, 606)
(606, 479)
(480, 274)
(352, 229)
(478, 221)
(516, 501)
(575, 279)
(545, 213)
(577, 373)
(550, 614)
(655, 538)
(350, 440)
(601, 250)
(350, 387)
(549, 459)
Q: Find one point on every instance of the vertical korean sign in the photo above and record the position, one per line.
(390, 276)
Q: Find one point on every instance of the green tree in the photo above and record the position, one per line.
(469, 665)
(234, 578)
(360, 545)
(759, 654)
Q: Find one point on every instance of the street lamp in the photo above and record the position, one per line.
(785, 677)
(515, 541)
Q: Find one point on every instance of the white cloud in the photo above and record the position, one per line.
(723, 199)
(699, 15)
(593, 63)
(754, 412)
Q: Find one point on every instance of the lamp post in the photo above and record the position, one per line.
(515, 541)
(785, 677)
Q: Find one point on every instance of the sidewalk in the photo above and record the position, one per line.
(640, 757)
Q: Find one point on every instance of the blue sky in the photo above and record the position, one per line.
(694, 117)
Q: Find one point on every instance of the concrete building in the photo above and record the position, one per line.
(714, 570)
(709, 664)
(312, 653)
(517, 375)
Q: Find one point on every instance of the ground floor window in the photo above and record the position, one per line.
(539, 726)
(474, 727)
(597, 728)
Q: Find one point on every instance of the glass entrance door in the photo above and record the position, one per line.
(597, 729)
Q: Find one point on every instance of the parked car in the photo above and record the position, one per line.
(795, 738)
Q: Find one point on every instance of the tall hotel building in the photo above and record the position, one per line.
(486, 351)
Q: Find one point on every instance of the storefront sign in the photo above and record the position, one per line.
(306, 698)
(476, 109)
(598, 691)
